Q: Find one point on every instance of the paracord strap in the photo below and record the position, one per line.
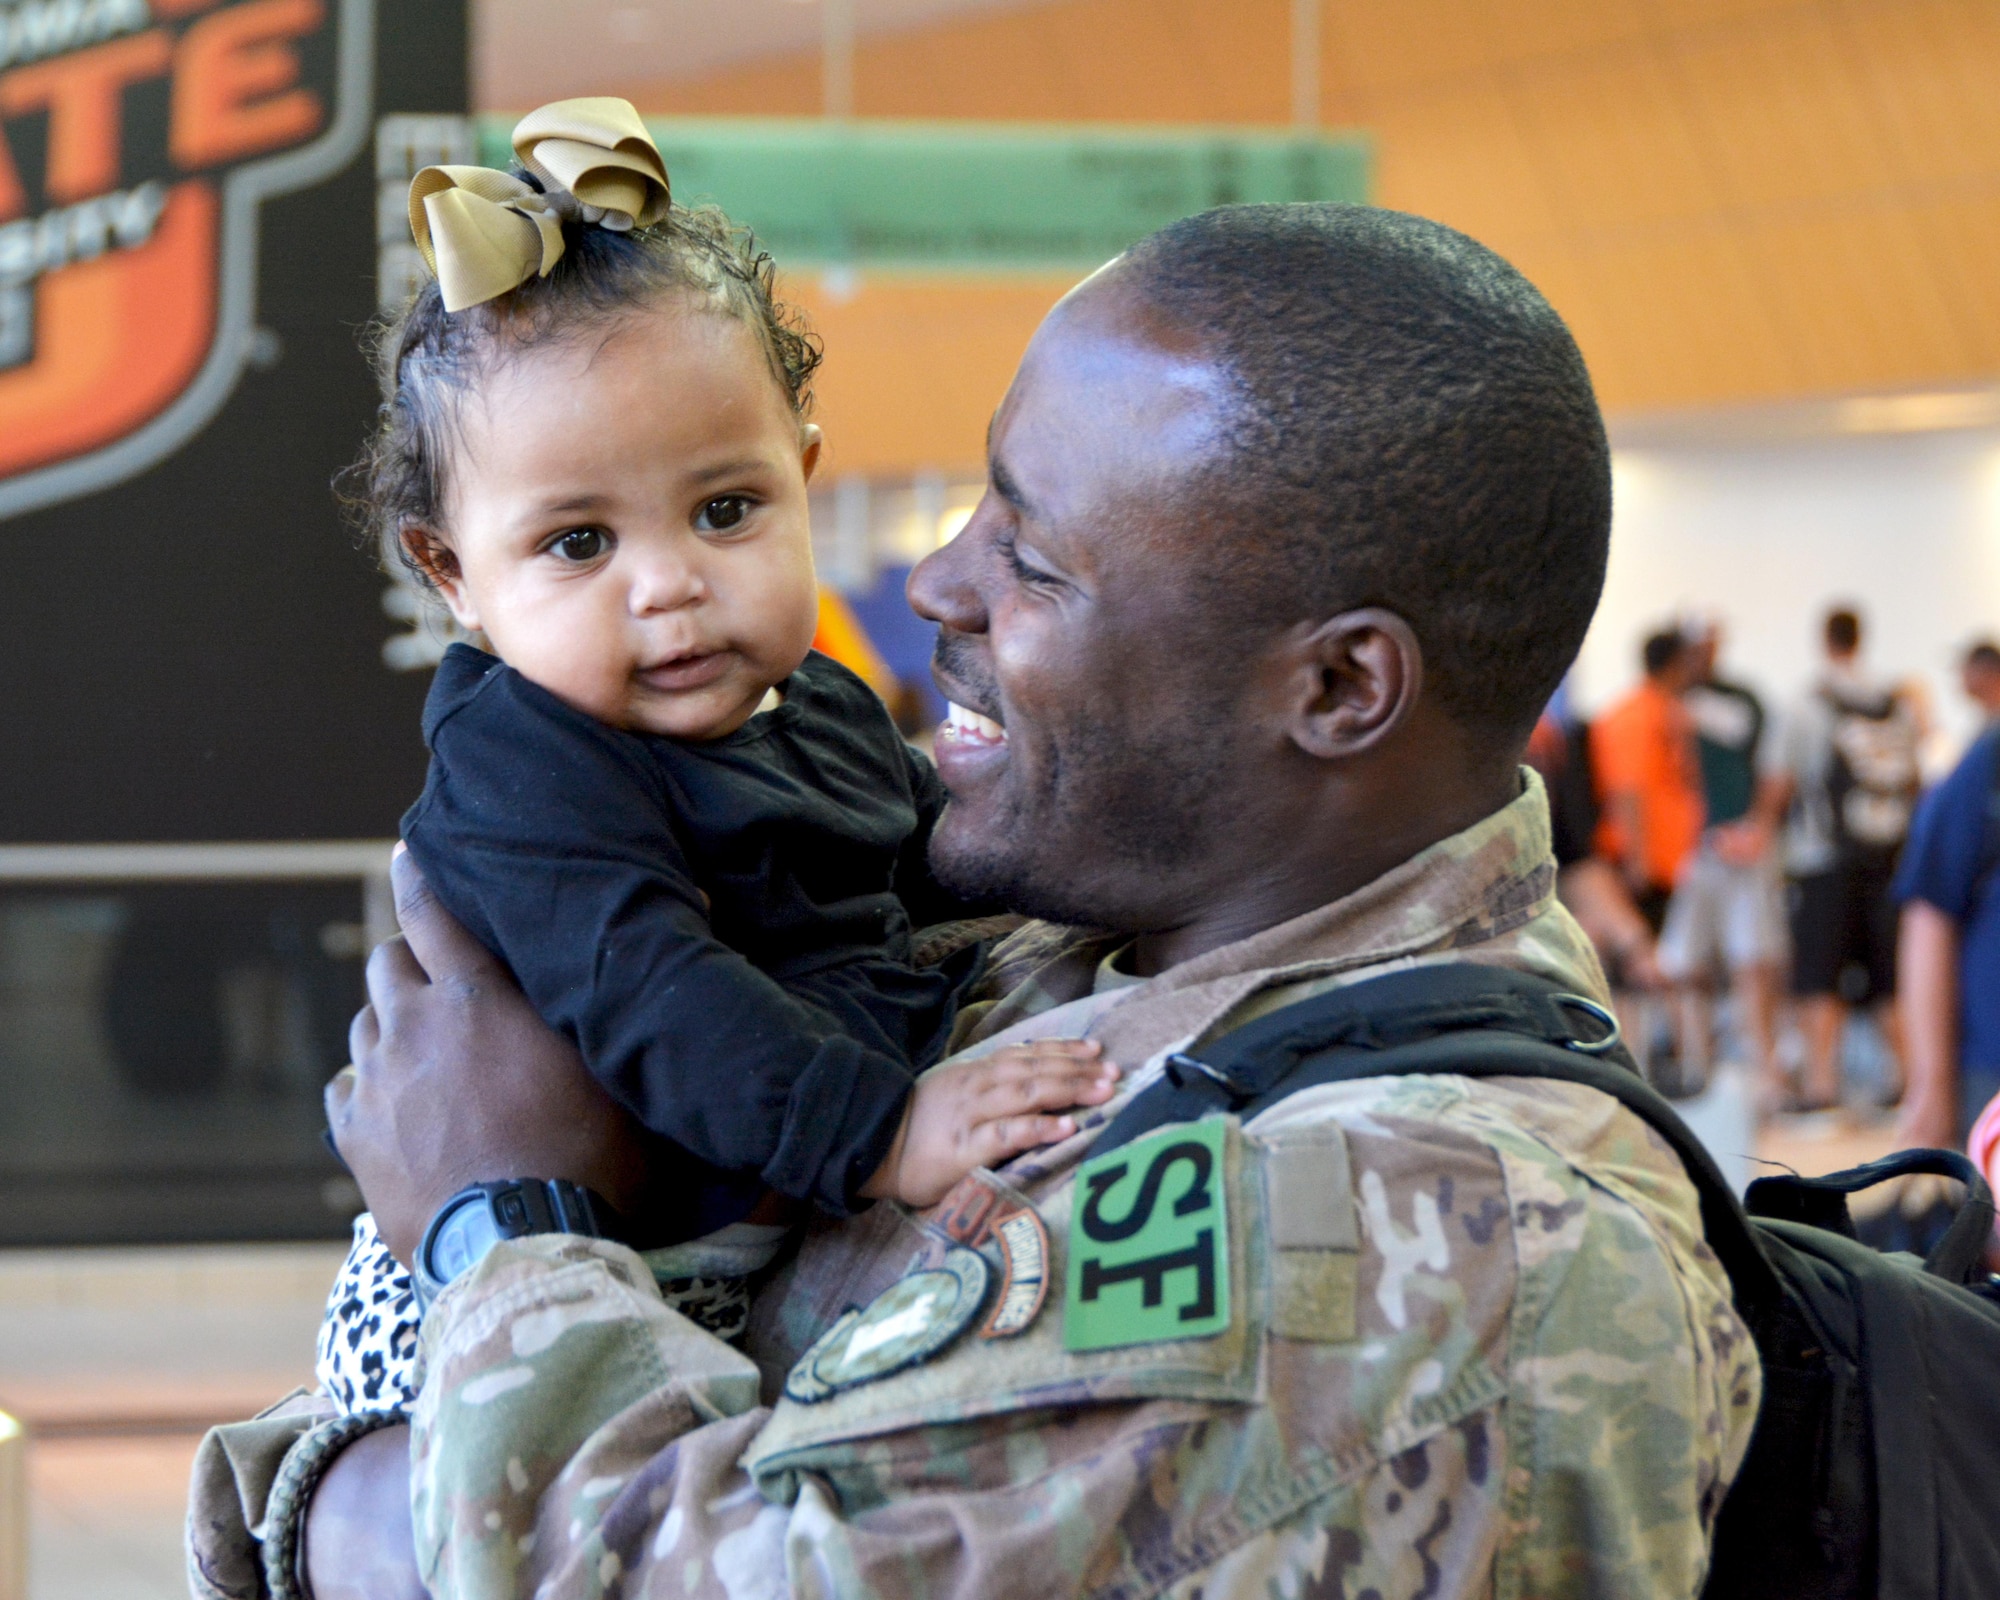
(292, 1491)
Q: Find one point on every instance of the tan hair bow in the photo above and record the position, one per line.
(485, 232)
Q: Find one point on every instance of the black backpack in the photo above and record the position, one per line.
(1874, 1469)
(1873, 776)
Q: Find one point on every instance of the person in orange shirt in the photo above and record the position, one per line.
(1648, 774)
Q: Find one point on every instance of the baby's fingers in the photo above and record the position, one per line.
(1050, 1053)
(1022, 1086)
(1068, 1058)
(1005, 1137)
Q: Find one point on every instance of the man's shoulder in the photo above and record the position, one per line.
(1628, 709)
(1951, 835)
(1724, 713)
(1576, 1139)
(1980, 765)
(1570, 1206)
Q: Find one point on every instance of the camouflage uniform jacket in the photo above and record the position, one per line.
(1475, 1344)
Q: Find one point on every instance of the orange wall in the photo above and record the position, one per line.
(914, 368)
(1729, 199)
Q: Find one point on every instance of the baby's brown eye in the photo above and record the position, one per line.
(580, 544)
(723, 512)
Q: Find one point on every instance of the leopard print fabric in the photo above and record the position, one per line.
(368, 1339)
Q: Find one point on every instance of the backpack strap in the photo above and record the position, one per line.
(1455, 1019)
(1959, 1256)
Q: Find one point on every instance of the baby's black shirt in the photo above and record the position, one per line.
(723, 928)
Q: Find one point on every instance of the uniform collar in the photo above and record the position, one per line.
(1474, 886)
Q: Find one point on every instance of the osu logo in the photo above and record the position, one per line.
(137, 140)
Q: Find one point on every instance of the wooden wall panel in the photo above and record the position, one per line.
(1780, 106)
(1613, 134)
(1730, 200)
(1504, 199)
(914, 369)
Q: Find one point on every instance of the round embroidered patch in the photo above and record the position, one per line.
(908, 1322)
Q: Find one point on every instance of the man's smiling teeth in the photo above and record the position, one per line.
(972, 728)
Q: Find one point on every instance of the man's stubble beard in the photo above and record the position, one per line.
(1107, 838)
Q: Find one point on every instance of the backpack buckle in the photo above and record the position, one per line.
(1601, 1015)
(1181, 1067)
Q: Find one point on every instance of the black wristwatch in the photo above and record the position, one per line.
(477, 1218)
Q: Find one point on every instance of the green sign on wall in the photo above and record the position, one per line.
(952, 196)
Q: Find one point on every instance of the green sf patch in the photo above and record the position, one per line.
(1149, 1241)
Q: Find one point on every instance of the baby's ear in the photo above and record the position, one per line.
(810, 440)
(437, 566)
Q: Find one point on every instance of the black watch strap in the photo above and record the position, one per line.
(478, 1217)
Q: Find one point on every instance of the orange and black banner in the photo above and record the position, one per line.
(190, 641)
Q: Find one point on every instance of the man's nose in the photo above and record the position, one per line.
(943, 588)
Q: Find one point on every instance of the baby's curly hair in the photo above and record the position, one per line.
(425, 357)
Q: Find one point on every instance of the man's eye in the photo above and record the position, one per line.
(581, 544)
(1010, 552)
(722, 513)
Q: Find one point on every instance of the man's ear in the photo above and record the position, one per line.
(434, 559)
(1353, 680)
(810, 440)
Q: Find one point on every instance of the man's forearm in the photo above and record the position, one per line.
(1625, 815)
(1597, 897)
(1774, 799)
(1927, 1004)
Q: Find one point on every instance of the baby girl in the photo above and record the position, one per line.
(699, 846)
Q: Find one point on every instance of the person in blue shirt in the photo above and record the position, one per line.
(1948, 977)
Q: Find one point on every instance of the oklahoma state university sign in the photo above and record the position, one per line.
(141, 139)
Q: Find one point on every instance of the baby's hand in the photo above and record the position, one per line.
(978, 1113)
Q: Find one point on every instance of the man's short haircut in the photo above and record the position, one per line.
(1416, 431)
(1984, 655)
(1843, 630)
(1661, 650)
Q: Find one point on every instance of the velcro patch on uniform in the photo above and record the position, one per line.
(1312, 1295)
(1149, 1241)
(1315, 1233)
(1311, 1193)
(1024, 1255)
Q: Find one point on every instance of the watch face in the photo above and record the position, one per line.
(462, 1238)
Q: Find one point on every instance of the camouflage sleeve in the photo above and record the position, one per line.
(228, 1490)
(1635, 1385)
(567, 1417)
(1508, 1368)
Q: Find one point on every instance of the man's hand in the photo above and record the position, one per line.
(1928, 945)
(1742, 843)
(978, 1113)
(1927, 1119)
(457, 1081)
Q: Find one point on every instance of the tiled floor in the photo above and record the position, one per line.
(105, 1517)
(117, 1359)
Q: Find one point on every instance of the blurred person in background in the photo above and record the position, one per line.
(1948, 954)
(1845, 776)
(1593, 890)
(1648, 785)
(1727, 914)
(1979, 676)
